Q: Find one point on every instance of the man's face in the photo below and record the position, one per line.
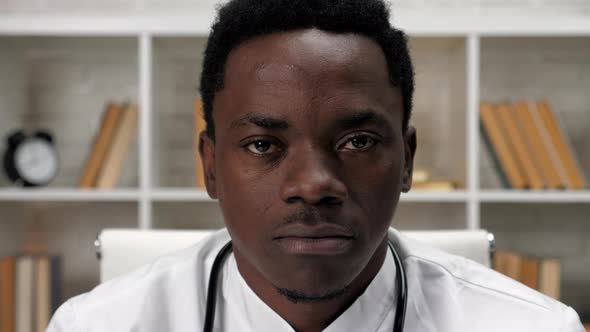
(309, 157)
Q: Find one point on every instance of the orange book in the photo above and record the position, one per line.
(499, 262)
(531, 128)
(508, 263)
(102, 143)
(509, 121)
(565, 157)
(113, 164)
(199, 127)
(7, 294)
(529, 274)
(503, 155)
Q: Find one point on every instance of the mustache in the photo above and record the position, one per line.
(307, 215)
(311, 216)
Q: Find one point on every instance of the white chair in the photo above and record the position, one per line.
(123, 250)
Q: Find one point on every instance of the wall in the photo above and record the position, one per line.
(62, 85)
(137, 6)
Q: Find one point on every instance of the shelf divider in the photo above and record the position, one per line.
(68, 195)
(145, 130)
(473, 62)
(528, 196)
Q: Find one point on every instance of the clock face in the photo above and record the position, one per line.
(36, 161)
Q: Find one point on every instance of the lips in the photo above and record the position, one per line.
(319, 239)
(324, 230)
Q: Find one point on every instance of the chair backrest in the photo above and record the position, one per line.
(123, 250)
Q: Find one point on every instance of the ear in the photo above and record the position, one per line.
(409, 153)
(207, 152)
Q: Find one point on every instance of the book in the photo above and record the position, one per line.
(25, 292)
(531, 129)
(508, 263)
(43, 293)
(542, 274)
(56, 280)
(102, 142)
(563, 156)
(529, 274)
(550, 278)
(117, 152)
(494, 136)
(7, 293)
(420, 176)
(30, 292)
(520, 152)
(200, 125)
(435, 185)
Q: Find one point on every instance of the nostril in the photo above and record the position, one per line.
(324, 201)
(294, 199)
(330, 201)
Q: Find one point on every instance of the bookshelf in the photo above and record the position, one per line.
(59, 70)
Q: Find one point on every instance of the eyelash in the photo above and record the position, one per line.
(273, 143)
(371, 138)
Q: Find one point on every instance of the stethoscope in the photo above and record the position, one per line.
(400, 310)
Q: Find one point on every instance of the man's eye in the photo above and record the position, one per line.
(358, 143)
(262, 147)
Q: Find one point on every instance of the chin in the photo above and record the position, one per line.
(311, 295)
(314, 284)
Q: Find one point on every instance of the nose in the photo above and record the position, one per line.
(312, 178)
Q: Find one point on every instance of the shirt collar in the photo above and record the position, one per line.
(367, 313)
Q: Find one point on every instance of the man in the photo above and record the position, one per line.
(308, 147)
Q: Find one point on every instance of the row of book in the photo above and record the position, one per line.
(118, 126)
(111, 145)
(542, 274)
(529, 146)
(30, 292)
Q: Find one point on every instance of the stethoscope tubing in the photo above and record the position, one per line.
(402, 286)
(212, 288)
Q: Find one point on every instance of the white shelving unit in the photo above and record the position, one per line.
(167, 51)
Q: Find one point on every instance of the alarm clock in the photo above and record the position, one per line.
(31, 160)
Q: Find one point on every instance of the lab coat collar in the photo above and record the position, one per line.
(367, 313)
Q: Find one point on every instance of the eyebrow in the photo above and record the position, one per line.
(351, 120)
(360, 118)
(259, 120)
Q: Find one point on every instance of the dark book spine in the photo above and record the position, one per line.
(495, 160)
(56, 283)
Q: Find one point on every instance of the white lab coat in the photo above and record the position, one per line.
(446, 294)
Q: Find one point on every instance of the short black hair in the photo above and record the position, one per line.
(241, 20)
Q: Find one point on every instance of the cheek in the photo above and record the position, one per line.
(245, 198)
(245, 185)
(378, 186)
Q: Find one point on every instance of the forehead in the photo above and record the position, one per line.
(307, 54)
(306, 72)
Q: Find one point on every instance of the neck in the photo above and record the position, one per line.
(311, 316)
